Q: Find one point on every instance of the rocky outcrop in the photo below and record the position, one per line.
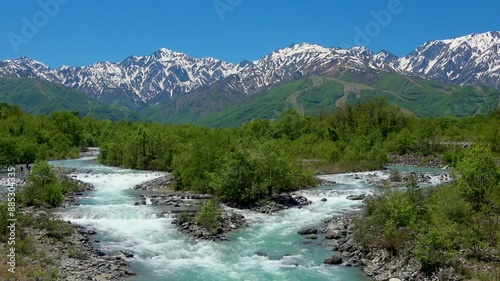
(333, 260)
(307, 231)
(356, 197)
(280, 202)
(226, 223)
(71, 199)
(90, 152)
(74, 255)
(416, 160)
(400, 179)
(161, 183)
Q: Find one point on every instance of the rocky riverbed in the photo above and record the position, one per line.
(416, 160)
(337, 234)
(160, 184)
(231, 220)
(72, 254)
(227, 222)
(280, 202)
(379, 264)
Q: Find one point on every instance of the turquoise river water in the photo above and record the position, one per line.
(163, 253)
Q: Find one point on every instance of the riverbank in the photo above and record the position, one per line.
(361, 238)
(51, 248)
(378, 264)
(416, 160)
(337, 233)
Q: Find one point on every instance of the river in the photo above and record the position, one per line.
(163, 253)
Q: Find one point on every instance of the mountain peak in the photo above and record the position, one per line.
(27, 61)
(164, 52)
(481, 41)
(472, 59)
(305, 46)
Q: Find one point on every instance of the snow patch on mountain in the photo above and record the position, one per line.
(472, 59)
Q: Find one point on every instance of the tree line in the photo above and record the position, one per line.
(252, 161)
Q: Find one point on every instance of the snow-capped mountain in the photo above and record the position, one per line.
(164, 72)
(146, 80)
(473, 59)
(300, 60)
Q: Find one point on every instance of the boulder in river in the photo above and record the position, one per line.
(307, 231)
(333, 260)
(356, 197)
(334, 235)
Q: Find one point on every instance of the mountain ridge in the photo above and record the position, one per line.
(142, 81)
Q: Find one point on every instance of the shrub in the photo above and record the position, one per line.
(435, 247)
(395, 176)
(184, 217)
(208, 215)
(42, 187)
(236, 181)
(388, 221)
(55, 228)
(479, 177)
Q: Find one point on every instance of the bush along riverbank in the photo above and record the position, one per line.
(48, 248)
(448, 232)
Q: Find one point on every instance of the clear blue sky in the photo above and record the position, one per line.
(82, 32)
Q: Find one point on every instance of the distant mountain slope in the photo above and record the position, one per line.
(142, 81)
(311, 95)
(42, 97)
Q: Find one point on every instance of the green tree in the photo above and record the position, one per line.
(8, 154)
(235, 181)
(479, 177)
(42, 186)
(208, 215)
(274, 170)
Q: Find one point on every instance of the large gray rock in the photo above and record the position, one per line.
(356, 197)
(333, 260)
(347, 246)
(307, 231)
(334, 235)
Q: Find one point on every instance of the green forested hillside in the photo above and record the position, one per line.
(41, 97)
(218, 107)
(314, 95)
